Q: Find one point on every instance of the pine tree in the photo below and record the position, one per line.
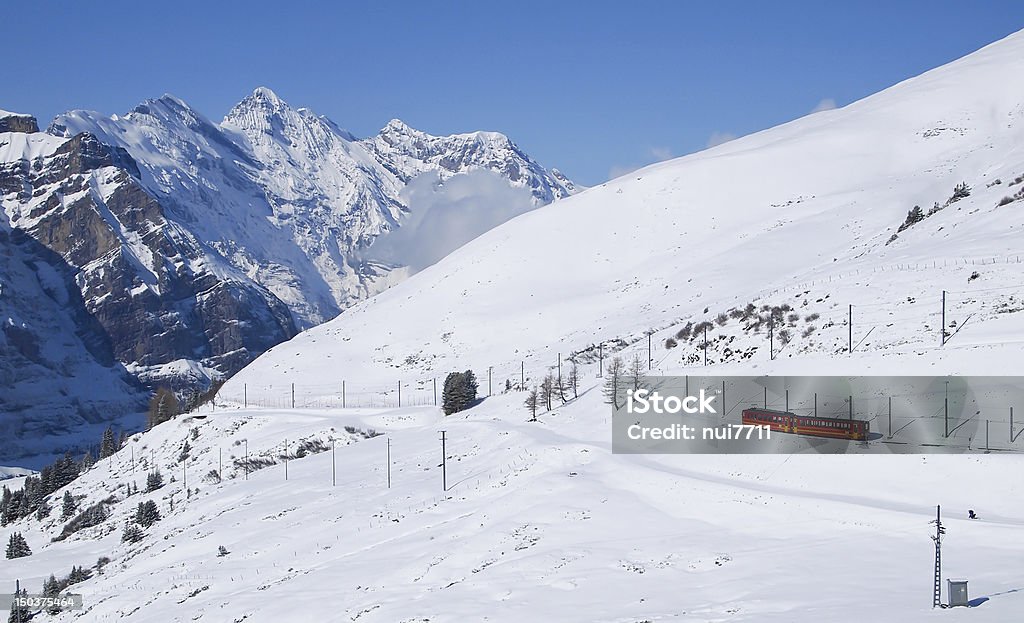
(147, 514)
(108, 443)
(20, 614)
(162, 407)
(132, 533)
(17, 547)
(612, 383)
(459, 391)
(154, 480)
(52, 588)
(68, 506)
(531, 404)
(78, 574)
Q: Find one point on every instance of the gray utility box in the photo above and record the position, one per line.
(957, 593)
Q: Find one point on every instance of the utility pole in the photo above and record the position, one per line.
(650, 359)
(765, 396)
(133, 447)
(444, 464)
(600, 360)
(435, 390)
(522, 376)
(389, 462)
(943, 333)
(851, 329)
(705, 345)
(247, 459)
(490, 369)
(343, 401)
(787, 401)
(890, 417)
(245, 395)
(945, 416)
(399, 394)
(220, 463)
(334, 466)
(815, 404)
(184, 476)
(286, 459)
(293, 395)
(939, 531)
(851, 407)
(771, 335)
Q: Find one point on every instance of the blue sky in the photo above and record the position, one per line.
(593, 88)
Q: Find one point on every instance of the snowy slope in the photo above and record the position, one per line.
(798, 215)
(541, 521)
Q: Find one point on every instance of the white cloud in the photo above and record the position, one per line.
(443, 216)
(826, 104)
(618, 170)
(661, 153)
(718, 138)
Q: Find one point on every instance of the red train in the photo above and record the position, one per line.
(785, 422)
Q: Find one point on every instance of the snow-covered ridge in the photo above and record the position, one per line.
(289, 197)
(812, 202)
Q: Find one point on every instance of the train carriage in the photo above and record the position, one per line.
(815, 426)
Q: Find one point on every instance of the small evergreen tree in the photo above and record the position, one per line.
(154, 480)
(132, 533)
(17, 547)
(20, 614)
(52, 588)
(147, 513)
(459, 391)
(108, 444)
(162, 407)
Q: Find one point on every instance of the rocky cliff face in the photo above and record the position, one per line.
(155, 289)
(188, 247)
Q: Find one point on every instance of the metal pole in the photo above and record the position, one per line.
(600, 360)
(220, 463)
(245, 395)
(522, 376)
(444, 464)
(435, 391)
(133, 447)
(247, 459)
(851, 328)
(293, 395)
(986, 435)
(943, 332)
(890, 417)
(286, 459)
(489, 370)
(945, 416)
(851, 407)
(334, 466)
(343, 401)
(389, 462)
(771, 335)
(765, 396)
(705, 345)
(787, 401)
(399, 394)
(815, 404)
(650, 359)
